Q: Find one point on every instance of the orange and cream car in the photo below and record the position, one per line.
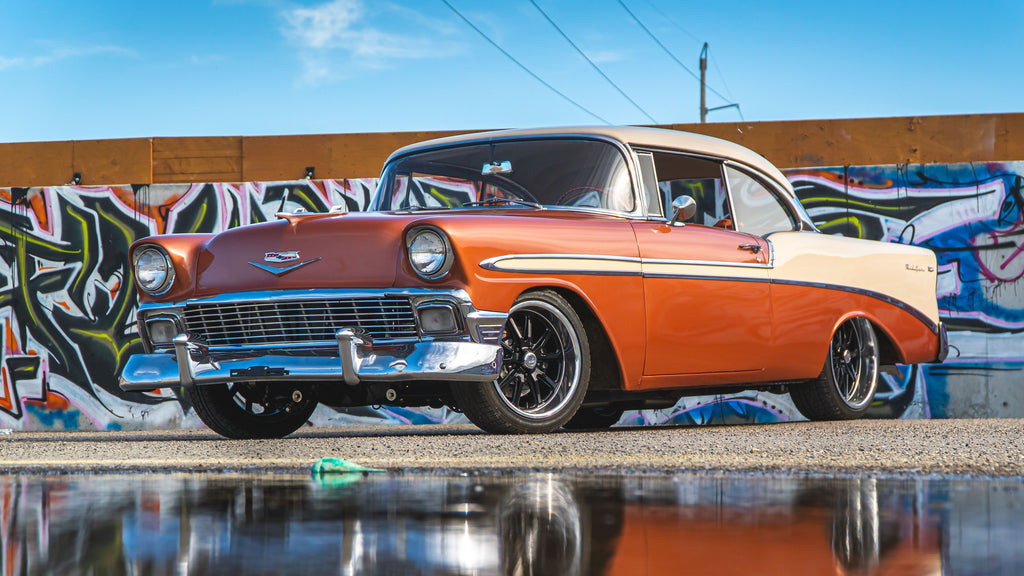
(533, 279)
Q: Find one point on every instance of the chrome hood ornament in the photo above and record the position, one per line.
(282, 257)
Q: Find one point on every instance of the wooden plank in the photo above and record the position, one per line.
(789, 144)
(873, 141)
(121, 161)
(197, 159)
(337, 156)
(35, 164)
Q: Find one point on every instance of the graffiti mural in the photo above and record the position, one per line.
(67, 307)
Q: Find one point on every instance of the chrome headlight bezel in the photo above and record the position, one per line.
(429, 252)
(154, 256)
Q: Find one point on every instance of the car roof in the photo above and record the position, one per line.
(634, 136)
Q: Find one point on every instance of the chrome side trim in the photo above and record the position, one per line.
(704, 263)
(596, 264)
(564, 264)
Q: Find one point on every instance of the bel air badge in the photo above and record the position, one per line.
(282, 257)
(278, 257)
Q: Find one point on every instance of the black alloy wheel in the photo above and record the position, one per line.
(545, 369)
(847, 383)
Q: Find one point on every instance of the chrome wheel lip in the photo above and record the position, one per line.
(853, 361)
(568, 375)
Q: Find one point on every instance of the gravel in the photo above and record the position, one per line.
(958, 448)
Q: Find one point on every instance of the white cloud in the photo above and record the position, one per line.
(326, 25)
(58, 54)
(344, 27)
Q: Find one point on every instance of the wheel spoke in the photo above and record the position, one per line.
(532, 384)
(517, 390)
(556, 390)
(515, 329)
(540, 342)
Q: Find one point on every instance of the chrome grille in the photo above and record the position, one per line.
(298, 322)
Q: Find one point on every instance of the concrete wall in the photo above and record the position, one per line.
(68, 315)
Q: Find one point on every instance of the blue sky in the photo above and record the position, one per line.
(75, 69)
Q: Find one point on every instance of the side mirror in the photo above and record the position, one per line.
(683, 208)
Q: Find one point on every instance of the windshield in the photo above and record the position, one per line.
(552, 173)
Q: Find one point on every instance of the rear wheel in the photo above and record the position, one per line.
(243, 410)
(846, 386)
(545, 370)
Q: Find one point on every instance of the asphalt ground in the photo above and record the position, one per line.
(956, 448)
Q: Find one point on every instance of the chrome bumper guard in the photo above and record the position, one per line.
(357, 361)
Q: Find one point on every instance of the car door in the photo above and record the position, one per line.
(706, 285)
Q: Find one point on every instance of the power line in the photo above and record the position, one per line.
(520, 64)
(667, 51)
(714, 61)
(674, 23)
(591, 62)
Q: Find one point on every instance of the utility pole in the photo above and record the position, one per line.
(703, 84)
(703, 89)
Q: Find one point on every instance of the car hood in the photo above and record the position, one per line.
(354, 250)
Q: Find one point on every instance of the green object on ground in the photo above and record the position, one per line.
(325, 466)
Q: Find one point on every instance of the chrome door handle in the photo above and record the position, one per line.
(755, 248)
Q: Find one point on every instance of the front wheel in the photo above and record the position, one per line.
(245, 410)
(846, 386)
(545, 370)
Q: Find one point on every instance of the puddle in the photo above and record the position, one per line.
(516, 523)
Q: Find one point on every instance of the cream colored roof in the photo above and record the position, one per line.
(632, 136)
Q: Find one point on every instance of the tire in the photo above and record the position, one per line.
(594, 418)
(545, 370)
(245, 410)
(847, 383)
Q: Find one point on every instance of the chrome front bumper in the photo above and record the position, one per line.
(357, 361)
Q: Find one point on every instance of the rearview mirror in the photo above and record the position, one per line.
(683, 208)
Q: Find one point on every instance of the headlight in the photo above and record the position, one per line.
(429, 252)
(153, 270)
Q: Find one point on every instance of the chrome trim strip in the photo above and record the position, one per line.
(628, 264)
(700, 277)
(564, 256)
(613, 265)
(704, 263)
(313, 293)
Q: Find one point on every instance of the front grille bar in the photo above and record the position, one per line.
(296, 322)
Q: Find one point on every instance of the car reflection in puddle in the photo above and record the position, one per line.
(510, 523)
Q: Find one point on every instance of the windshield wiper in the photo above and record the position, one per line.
(411, 208)
(496, 200)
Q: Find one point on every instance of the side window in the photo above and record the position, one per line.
(649, 178)
(698, 178)
(757, 210)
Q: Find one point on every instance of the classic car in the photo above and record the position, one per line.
(533, 280)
